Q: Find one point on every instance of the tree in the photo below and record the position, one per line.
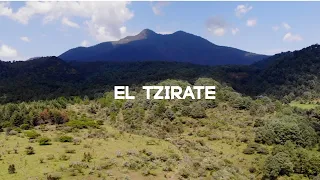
(277, 165)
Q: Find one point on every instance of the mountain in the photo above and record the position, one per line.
(150, 46)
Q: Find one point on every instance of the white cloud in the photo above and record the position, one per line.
(7, 52)
(85, 43)
(234, 31)
(104, 20)
(217, 26)
(158, 6)
(251, 22)
(275, 28)
(286, 26)
(241, 10)
(67, 22)
(25, 39)
(289, 37)
(5, 10)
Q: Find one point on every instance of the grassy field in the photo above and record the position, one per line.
(303, 106)
(48, 159)
(118, 155)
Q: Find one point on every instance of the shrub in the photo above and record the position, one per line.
(11, 169)
(87, 157)
(31, 134)
(44, 141)
(70, 151)
(249, 150)
(54, 176)
(25, 126)
(64, 157)
(262, 150)
(29, 150)
(197, 111)
(100, 122)
(277, 165)
(252, 169)
(65, 139)
(281, 131)
(50, 156)
(76, 141)
(82, 123)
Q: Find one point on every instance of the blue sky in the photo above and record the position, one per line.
(31, 29)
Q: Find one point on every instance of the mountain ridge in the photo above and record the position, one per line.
(179, 46)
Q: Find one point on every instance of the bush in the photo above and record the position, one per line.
(82, 123)
(65, 139)
(25, 126)
(277, 165)
(64, 157)
(29, 150)
(281, 131)
(31, 134)
(197, 111)
(249, 150)
(70, 151)
(87, 157)
(54, 176)
(262, 150)
(11, 169)
(44, 141)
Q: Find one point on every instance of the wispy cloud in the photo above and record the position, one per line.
(157, 7)
(251, 22)
(241, 10)
(289, 37)
(67, 22)
(234, 31)
(286, 25)
(25, 39)
(217, 26)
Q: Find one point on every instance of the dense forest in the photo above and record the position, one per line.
(286, 76)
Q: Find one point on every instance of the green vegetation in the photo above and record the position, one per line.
(232, 137)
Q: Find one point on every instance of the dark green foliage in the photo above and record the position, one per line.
(249, 150)
(82, 123)
(11, 169)
(65, 139)
(291, 158)
(277, 165)
(29, 150)
(25, 126)
(197, 111)
(44, 141)
(290, 75)
(31, 134)
(281, 131)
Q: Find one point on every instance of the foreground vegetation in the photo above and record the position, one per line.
(232, 137)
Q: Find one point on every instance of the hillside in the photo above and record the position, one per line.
(150, 46)
(289, 75)
(51, 77)
(232, 137)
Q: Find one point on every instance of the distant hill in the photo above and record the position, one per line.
(150, 46)
(295, 74)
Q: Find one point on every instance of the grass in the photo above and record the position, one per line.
(303, 106)
(29, 166)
